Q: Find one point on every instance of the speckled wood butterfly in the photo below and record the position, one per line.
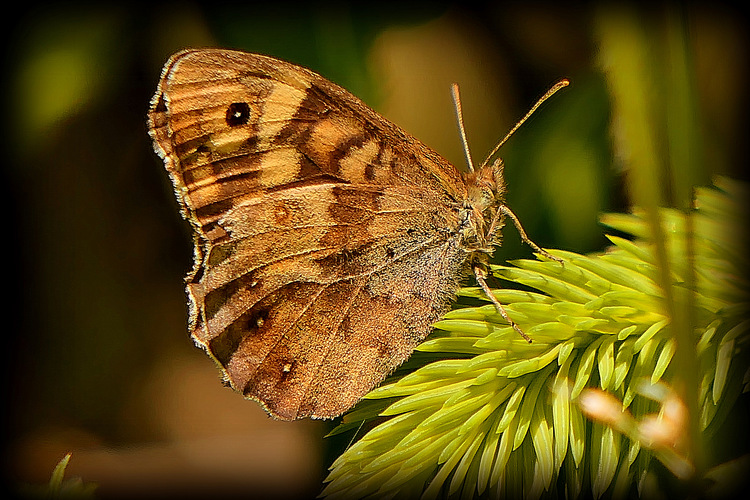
(327, 239)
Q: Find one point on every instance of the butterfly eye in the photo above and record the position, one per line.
(238, 114)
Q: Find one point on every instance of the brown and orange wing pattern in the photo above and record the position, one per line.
(326, 237)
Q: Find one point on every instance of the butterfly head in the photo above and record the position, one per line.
(481, 219)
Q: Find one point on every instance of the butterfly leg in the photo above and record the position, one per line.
(507, 211)
(481, 276)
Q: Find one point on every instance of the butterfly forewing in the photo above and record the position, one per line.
(326, 237)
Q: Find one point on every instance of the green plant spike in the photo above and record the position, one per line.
(500, 417)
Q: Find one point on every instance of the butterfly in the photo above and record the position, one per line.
(327, 240)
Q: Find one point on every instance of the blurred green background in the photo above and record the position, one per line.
(98, 361)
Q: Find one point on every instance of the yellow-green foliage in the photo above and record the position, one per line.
(498, 417)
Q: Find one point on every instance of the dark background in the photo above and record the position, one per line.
(97, 358)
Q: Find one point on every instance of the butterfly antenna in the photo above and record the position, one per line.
(460, 117)
(562, 83)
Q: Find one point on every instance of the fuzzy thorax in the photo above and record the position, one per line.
(481, 216)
